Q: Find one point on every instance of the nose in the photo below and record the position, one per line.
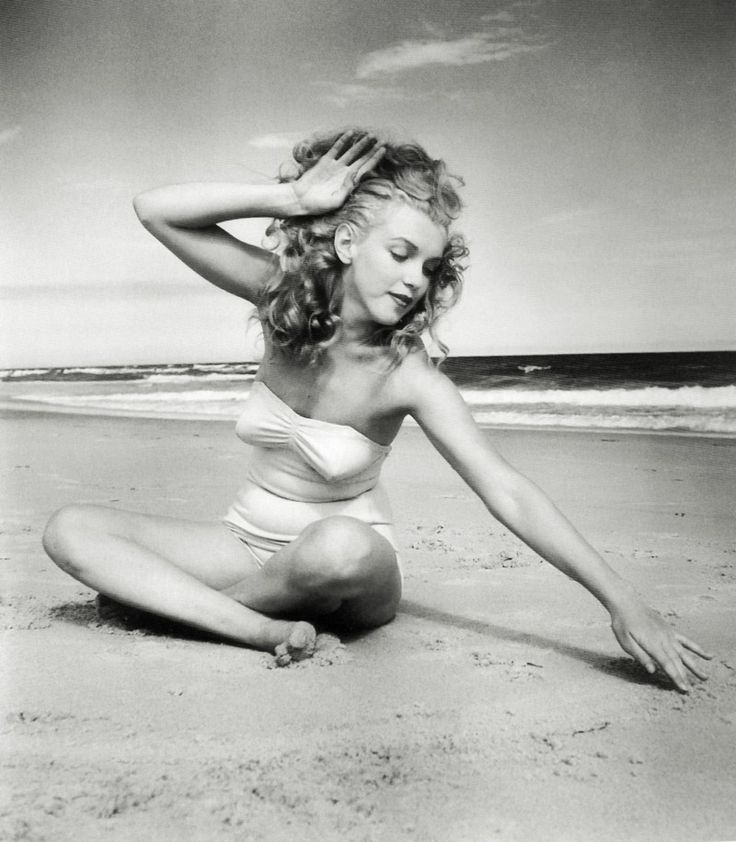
(414, 277)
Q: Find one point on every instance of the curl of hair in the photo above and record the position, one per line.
(300, 309)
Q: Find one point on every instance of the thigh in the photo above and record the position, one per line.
(204, 549)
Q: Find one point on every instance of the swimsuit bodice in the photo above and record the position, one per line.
(302, 458)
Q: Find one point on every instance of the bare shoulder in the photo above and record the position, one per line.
(417, 383)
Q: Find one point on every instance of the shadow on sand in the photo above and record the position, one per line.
(623, 667)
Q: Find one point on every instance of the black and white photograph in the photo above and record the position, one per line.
(368, 418)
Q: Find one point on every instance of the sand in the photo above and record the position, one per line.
(496, 706)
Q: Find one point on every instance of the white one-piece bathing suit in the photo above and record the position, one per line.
(302, 470)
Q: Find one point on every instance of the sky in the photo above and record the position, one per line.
(596, 139)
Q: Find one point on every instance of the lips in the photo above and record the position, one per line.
(403, 300)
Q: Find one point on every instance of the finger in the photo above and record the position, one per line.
(669, 663)
(693, 665)
(369, 161)
(672, 665)
(693, 647)
(356, 150)
(339, 145)
(641, 655)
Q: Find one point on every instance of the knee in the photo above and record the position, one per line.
(65, 531)
(337, 553)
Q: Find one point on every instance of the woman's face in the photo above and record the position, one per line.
(391, 265)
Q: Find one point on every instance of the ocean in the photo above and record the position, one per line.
(685, 392)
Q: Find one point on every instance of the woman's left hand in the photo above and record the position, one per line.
(644, 635)
(325, 186)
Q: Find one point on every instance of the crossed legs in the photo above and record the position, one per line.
(201, 575)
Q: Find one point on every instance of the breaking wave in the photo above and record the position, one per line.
(695, 409)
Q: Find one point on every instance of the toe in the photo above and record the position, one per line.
(283, 655)
(302, 641)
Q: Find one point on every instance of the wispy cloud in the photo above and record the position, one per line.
(280, 140)
(433, 30)
(341, 94)
(504, 16)
(498, 45)
(8, 135)
(508, 31)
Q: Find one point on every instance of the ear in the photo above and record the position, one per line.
(344, 243)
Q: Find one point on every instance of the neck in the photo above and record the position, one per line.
(356, 328)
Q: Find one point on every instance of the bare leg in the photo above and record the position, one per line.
(98, 547)
(338, 568)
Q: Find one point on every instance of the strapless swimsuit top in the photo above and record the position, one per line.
(304, 458)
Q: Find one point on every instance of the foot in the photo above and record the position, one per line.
(300, 644)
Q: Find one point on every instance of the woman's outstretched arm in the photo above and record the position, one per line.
(520, 505)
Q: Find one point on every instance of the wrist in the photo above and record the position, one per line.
(619, 595)
(286, 201)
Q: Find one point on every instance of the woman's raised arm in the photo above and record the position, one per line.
(520, 505)
(184, 218)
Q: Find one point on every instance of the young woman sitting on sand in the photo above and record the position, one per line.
(367, 263)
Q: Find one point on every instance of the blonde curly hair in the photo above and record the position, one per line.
(300, 310)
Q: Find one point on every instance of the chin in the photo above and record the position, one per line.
(389, 320)
(390, 316)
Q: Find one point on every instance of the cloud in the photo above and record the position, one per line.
(433, 30)
(498, 44)
(8, 135)
(281, 140)
(504, 16)
(510, 30)
(341, 94)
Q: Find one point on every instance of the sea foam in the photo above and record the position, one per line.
(696, 409)
(646, 397)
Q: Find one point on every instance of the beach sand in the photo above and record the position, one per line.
(496, 706)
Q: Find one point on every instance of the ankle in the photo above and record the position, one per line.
(273, 632)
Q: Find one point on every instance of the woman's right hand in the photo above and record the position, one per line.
(644, 635)
(326, 186)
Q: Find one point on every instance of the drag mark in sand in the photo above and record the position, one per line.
(509, 668)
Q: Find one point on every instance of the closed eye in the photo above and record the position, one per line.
(399, 258)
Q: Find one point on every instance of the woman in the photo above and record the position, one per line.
(366, 265)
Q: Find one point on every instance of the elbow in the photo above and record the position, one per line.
(145, 209)
(141, 207)
(508, 509)
(515, 502)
